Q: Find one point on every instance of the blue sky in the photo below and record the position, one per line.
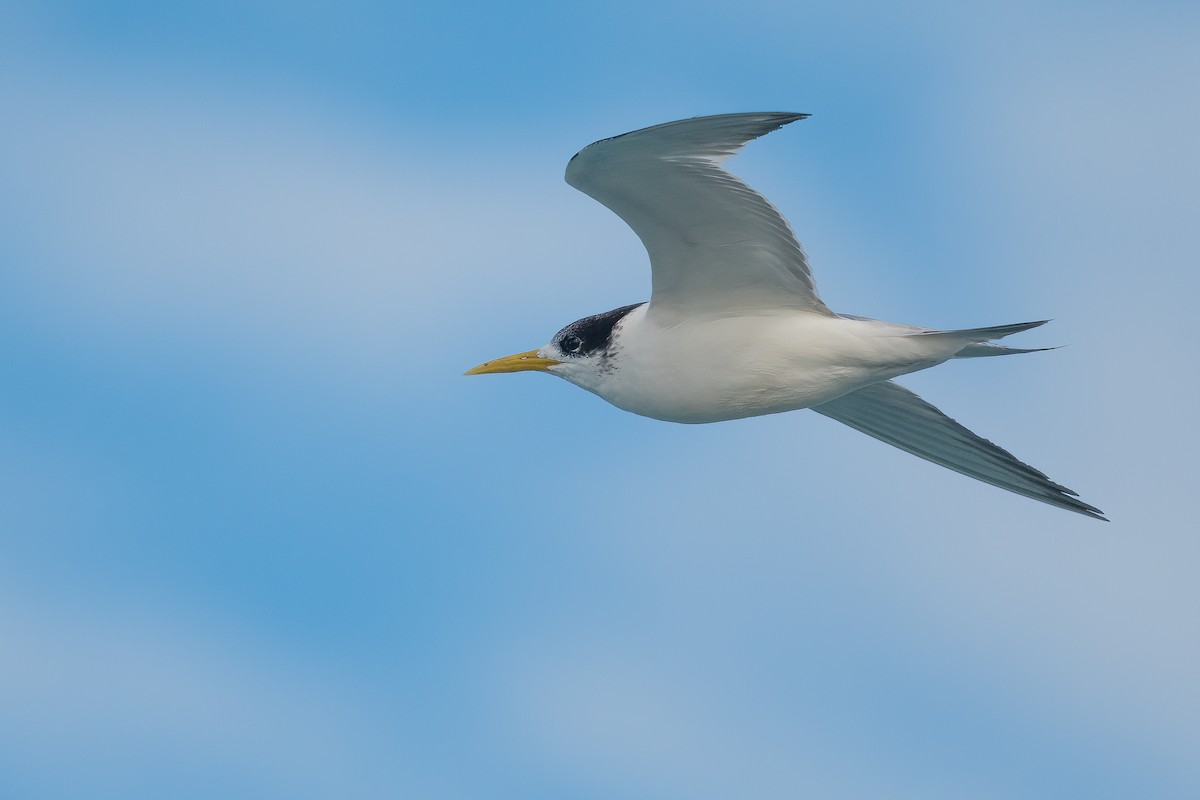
(260, 538)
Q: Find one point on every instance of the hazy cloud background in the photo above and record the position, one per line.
(259, 538)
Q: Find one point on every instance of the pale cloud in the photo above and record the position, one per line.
(255, 225)
(109, 689)
(611, 712)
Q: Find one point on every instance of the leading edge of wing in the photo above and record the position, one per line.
(893, 414)
(672, 138)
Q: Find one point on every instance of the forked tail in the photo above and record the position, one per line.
(976, 340)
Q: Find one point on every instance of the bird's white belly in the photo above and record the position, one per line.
(731, 391)
(746, 366)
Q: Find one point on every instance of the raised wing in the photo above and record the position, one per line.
(716, 246)
(893, 414)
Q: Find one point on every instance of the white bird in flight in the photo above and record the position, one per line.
(734, 326)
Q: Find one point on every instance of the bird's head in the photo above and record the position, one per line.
(582, 352)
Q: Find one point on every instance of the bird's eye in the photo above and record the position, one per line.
(570, 344)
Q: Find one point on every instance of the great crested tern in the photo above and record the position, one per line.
(734, 326)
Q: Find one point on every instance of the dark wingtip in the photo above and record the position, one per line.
(1089, 510)
(792, 116)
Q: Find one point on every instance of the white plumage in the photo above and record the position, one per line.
(735, 327)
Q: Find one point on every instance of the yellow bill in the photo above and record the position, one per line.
(515, 363)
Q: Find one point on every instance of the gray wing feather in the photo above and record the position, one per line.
(715, 244)
(893, 414)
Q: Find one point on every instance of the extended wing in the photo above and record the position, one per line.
(895, 415)
(716, 246)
